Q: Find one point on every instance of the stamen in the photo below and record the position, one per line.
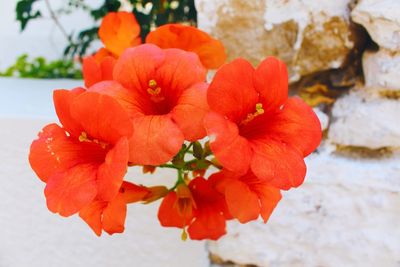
(152, 83)
(184, 235)
(252, 116)
(84, 138)
(154, 91)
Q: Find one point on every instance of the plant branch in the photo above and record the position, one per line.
(57, 22)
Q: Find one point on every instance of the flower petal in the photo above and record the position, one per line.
(168, 214)
(231, 150)
(67, 193)
(190, 111)
(132, 103)
(112, 171)
(207, 225)
(278, 163)
(155, 141)
(133, 193)
(92, 215)
(173, 77)
(212, 54)
(210, 51)
(242, 202)
(118, 31)
(114, 215)
(297, 125)
(269, 199)
(42, 155)
(55, 152)
(232, 93)
(271, 81)
(63, 100)
(137, 66)
(91, 71)
(94, 72)
(102, 117)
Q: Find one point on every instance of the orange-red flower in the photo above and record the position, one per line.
(110, 215)
(118, 31)
(165, 95)
(210, 51)
(88, 156)
(254, 125)
(199, 207)
(247, 196)
(98, 67)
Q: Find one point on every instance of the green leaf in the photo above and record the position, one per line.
(24, 12)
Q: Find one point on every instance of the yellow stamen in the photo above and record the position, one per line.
(84, 138)
(252, 116)
(154, 91)
(152, 84)
(184, 235)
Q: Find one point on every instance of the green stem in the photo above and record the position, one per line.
(179, 181)
(171, 166)
(187, 149)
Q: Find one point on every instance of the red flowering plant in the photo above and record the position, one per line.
(149, 105)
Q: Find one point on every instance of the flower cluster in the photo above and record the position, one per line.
(149, 105)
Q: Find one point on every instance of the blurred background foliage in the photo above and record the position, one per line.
(149, 13)
(42, 69)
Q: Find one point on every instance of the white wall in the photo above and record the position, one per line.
(32, 236)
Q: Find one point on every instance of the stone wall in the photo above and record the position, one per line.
(348, 210)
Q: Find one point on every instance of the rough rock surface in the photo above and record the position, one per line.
(382, 69)
(365, 120)
(308, 35)
(381, 18)
(331, 221)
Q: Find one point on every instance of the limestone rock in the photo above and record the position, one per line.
(364, 120)
(309, 35)
(381, 18)
(345, 214)
(382, 69)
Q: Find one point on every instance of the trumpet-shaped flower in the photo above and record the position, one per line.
(165, 95)
(253, 125)
(118, 31)
(210, 51)
(246, 195)
(199, 207)
(85, 158)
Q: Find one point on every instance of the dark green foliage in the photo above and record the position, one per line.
(40, 68)
(108, 6)
(25, 13)
(163, 12)
(81, 43)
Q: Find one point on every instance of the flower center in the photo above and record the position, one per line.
(84, 138)
(252, 116)
(154, 91)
